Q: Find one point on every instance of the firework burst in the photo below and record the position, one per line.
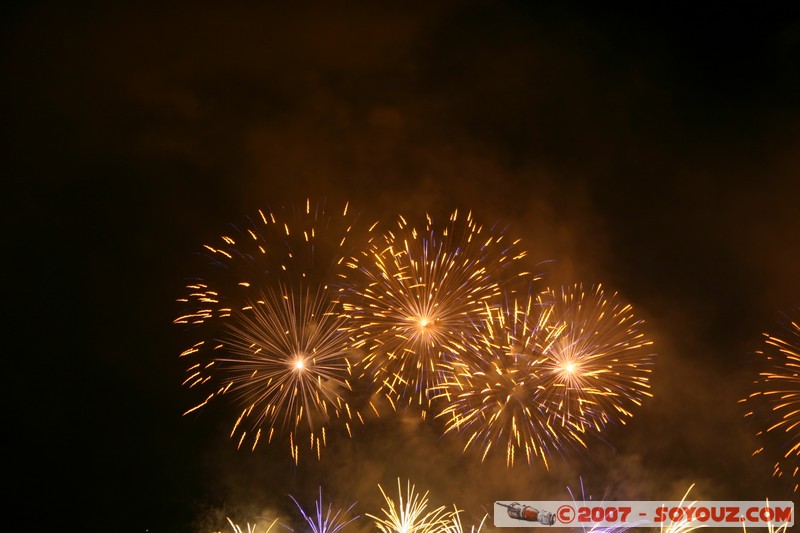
(285, 363)
(494, 397)
(547, 371)
(776, 395)
(409, 513)
(414, 294)
(597, 369)
(272, 337)
(326, 521)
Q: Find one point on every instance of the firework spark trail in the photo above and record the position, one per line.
(597, 369)
(271, 335)
(326, 522)
(408, 514)
(494, 397)
(414, 294)
(775, 400)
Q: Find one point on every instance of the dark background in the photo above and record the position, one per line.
(649, 146)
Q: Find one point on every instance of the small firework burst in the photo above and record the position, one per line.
(414, 294)
(409, 513)
(774, 403)
(326, 521)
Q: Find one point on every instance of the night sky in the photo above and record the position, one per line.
(651, 147)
